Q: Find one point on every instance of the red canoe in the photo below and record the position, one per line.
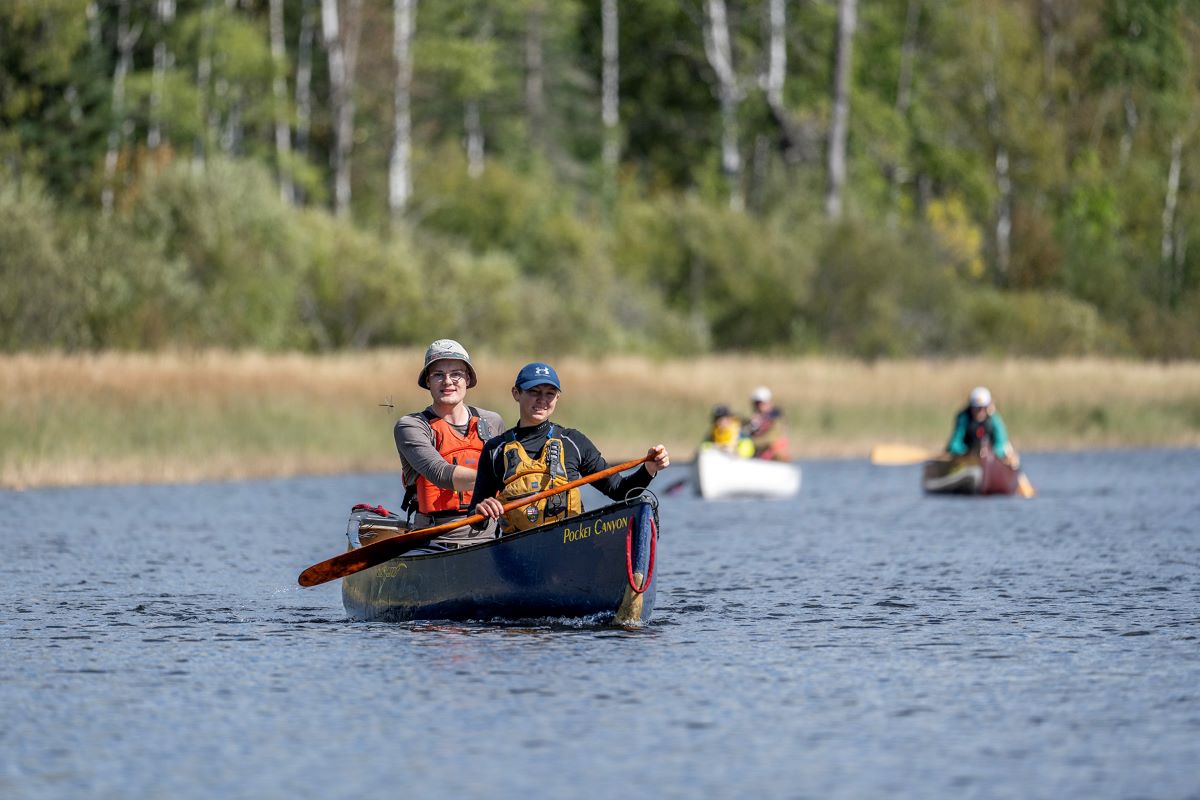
(972, 474)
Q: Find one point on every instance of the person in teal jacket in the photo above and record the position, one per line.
(978, 425)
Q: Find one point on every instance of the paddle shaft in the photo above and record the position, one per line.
(370, 555)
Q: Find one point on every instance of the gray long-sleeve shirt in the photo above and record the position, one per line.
(418, 451)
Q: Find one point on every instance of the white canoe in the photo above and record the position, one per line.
(720, 475)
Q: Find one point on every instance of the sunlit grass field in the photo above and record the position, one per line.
(121, 418)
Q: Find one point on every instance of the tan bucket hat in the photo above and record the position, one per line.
(443, 349)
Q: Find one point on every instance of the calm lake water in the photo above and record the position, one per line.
(859, 641)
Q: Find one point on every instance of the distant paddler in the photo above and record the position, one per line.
(766, 427)
(979, 426)
(539, 454)
(978, 447)
(727, 433)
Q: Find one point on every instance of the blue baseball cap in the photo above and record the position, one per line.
(537, 374)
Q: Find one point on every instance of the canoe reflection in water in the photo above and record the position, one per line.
(598, 564)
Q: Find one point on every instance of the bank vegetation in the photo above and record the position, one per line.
(214, 415)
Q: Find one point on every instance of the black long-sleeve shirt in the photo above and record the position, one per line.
(581, 457)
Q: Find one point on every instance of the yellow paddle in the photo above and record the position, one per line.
(891, 455)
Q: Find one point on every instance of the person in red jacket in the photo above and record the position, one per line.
(766, 428)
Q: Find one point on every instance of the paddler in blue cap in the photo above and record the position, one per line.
(539, 454)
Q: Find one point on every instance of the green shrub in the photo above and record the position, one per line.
(42, 302)
(241, 246)
(547, 264)
(134, 297)
(740, 281)
(527, 216)
(879, 293)
(1036, 324)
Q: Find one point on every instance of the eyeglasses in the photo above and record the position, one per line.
(457, 376)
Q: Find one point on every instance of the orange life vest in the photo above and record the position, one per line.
(457, 449)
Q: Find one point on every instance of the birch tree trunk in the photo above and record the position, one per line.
(1047, 25)
(776, 72)
(203, 82)
(1170, 203)
(719, 51)
(164, 62)
(339, 156)
(231, 133)
(908, 49)
(473, 127)
(1131, 123)
(341, 63)
(1003, 212)
(839, 125)
(797, 139)
(991, 95)
(304, 52)
(535, 79)
(283, 131)
(400, 185)
(93, 23)
(610, 91)
(126, 37)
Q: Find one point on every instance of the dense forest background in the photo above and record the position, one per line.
(876, 177)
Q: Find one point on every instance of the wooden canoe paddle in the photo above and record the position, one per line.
(370, 555)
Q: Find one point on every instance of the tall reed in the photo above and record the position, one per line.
(117, 417)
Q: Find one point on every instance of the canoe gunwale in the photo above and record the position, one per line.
(977, 474)
(593, 564)
(723, 476)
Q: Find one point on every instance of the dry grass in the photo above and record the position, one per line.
(140, 417)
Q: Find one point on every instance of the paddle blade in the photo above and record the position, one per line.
(353, 561)
(1025, 488)
(899, 454)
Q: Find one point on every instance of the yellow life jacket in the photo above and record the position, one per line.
(524, 476)
(727, 435)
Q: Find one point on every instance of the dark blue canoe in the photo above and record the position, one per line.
(599, 564)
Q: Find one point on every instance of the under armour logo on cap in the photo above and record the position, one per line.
(537, 374)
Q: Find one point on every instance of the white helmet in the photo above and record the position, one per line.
(761, 395)
(980, 397)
